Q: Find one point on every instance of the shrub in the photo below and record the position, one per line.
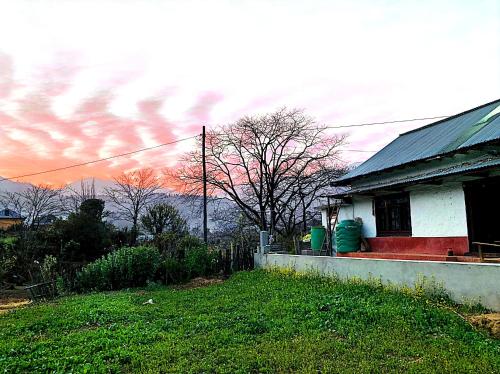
(175, 271)
(7, 257)
(200, 261)
(125, 267)
(188, 242)
(48, 268)
(173, 245)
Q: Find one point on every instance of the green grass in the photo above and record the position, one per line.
(254, 322)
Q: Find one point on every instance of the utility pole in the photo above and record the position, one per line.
(204, 164)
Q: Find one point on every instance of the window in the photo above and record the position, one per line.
(392, 215)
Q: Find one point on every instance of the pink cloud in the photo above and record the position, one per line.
(6, 75)
(34, 138)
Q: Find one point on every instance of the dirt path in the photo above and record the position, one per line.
(13, 299)
(490, 322)
(199, 282)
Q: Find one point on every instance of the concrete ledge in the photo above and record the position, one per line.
(464, 282)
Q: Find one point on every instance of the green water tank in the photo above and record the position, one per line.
(318, 234)
(348, 236)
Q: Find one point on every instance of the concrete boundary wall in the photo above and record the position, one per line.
(464, 282)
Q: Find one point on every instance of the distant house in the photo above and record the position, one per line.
(432, 193)
(46, 220)
(9, 218)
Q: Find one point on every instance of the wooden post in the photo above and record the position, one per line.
(231, 256)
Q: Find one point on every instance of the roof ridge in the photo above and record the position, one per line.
(451, 117)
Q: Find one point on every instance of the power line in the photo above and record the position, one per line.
(98, 160)
(386, 122)
(377, 123)
(192, 137)
(356, 150)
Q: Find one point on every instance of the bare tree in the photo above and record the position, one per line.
(295, 210)
(14, 201)
(132, 193)
(264, 164)
(73, 197)
(34, 203)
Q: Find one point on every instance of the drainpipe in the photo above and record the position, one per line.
(328, 227)
(264, 241)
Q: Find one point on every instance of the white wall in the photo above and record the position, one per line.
(438, 212)
(324, 219)
(435, 212)
(362, 207)
(464, 282)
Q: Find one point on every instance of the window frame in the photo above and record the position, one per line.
(378, 215)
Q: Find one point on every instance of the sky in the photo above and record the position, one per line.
(82, 80)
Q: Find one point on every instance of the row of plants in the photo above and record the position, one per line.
(65, 245)
(137, 266)
(84, 253)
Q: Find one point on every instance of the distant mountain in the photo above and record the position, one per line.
(100, 184)
(11, 186)
(190, 207)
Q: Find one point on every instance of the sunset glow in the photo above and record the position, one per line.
(82, 80)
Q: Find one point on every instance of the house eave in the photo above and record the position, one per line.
(347, 181)
(436, 178)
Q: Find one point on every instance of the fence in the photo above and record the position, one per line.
(236, 258)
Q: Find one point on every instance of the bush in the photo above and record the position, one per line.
(175, 271)
(125, 267)
(200, 262)
(8, 258)
(48, 268)
(173, 245)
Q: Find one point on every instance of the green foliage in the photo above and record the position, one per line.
(83, 235)
(162, 218)
(200, 261)
(255, 322)
(8, 243)
(125, 267)
(93, 209)
(7, 257)
(189, 242)
(175, 271)
(196, 261)
(23, 252)
(48, 268)
(172, 245)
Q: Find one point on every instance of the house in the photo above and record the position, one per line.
(9, 218)
(433, 193)
(46, 220)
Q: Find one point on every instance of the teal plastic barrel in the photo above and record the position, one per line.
(348, 236)
(318, 234)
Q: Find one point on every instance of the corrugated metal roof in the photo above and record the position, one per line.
(473, 127)
(479, 163)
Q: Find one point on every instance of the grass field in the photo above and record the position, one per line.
(254, 322)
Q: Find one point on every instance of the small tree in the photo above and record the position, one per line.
(132, 193)
(84, 235)
(163, 217)
(73, 197)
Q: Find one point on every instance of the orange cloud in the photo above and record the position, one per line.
(34, 138)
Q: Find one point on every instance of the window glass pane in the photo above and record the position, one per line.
(393, 215)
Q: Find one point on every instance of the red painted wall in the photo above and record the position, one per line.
(411, 245)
